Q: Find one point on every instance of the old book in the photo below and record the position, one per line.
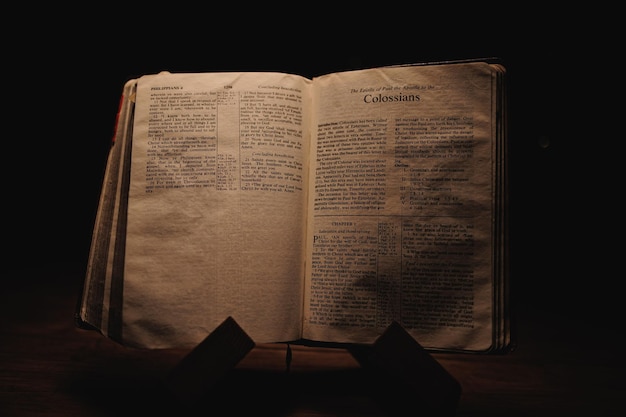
(309, 210)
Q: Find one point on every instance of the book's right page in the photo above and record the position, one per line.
(405, 206)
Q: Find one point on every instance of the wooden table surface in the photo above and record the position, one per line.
(49, 367)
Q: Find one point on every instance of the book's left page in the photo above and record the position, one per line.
(216, 208)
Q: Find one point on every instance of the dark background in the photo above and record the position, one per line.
(64, 72)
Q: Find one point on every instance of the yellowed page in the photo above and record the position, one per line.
(401, 205)
(216, 207)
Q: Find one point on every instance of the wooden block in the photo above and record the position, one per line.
(409, 381)
(202, 369)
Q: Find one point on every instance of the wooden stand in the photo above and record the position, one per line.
(405, 378)
(409, 381)
(202, 369)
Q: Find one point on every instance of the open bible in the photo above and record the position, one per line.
(309, 210)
